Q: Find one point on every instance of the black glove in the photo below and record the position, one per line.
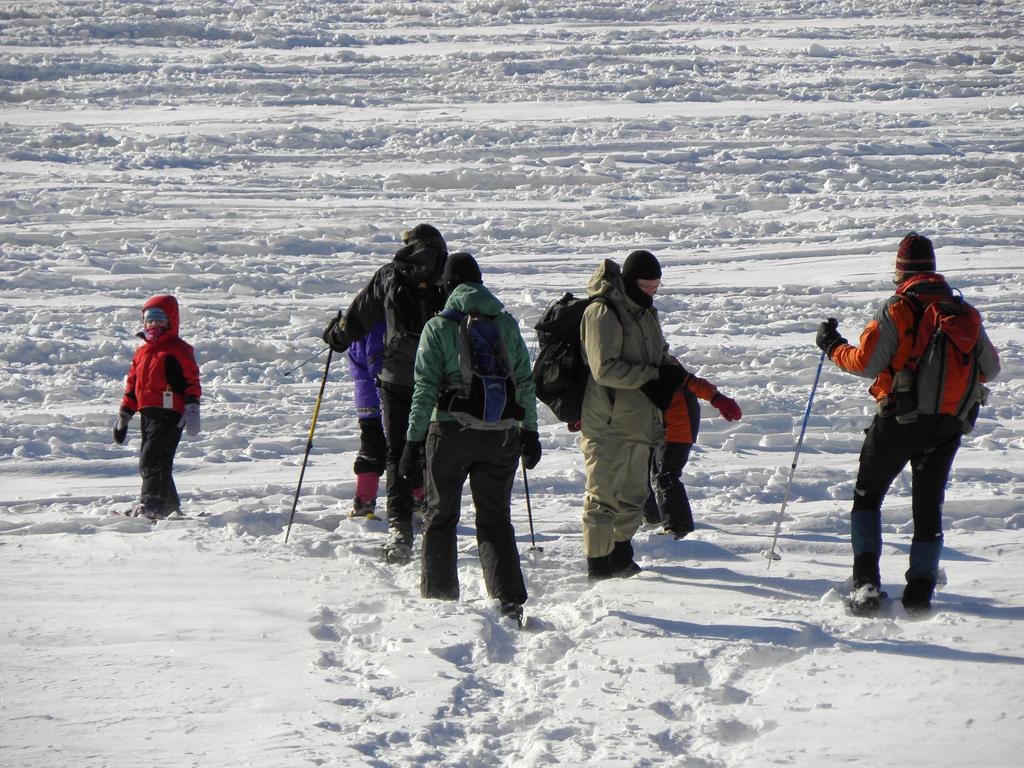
(333, 336)
(828, 337)
(530, 446)
(410, 466)
(660, 390)
(121, 425)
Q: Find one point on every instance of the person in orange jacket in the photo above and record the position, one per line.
(668, 505)
(924, 407)
(163, 385)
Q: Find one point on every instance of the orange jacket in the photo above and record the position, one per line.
(682, 417)
(887, 342)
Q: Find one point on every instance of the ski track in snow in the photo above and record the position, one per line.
(259, 161)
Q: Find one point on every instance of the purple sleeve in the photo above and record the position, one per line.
(365, 358)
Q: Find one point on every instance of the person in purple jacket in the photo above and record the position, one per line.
(364, 362)
(365, 358)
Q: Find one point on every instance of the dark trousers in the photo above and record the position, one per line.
(929, 445)
(160, 436)
(489, 459)
(373, 447)
(668, 503)
(395, 404)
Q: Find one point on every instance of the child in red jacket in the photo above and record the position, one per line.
(668, 504)
(163, 384)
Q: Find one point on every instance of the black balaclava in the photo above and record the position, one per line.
(640, 265)
(460, 268)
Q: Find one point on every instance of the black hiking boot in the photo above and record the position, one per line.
(917, 596)
(363, 508)
(866, 598)
(599, 569)
(151, 514)
(398, 549)
(675, 533)
(510, 609)
(621, 560)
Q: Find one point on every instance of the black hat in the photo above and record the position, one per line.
(641, 265)
(460, 268)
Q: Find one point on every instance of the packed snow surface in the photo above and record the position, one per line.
(259, 160)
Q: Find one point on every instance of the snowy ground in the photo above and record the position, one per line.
(259, 160)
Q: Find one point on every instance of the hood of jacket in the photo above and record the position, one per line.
(169, 305)
(923, 282)
(607, 281)
(474, 299)
(421, 262)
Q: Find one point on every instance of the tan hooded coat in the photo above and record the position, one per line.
(622, 354)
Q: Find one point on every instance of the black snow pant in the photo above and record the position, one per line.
(489, 459)
(160, 436)
(929, 445)
(668, 503)
(395, 404)
(373, 447)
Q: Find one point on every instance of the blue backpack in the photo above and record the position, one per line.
(486, 398)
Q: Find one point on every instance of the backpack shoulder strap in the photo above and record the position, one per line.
(916, 306)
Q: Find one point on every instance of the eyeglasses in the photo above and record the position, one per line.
(650, 287)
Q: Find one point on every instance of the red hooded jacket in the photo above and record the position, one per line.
(166, 364)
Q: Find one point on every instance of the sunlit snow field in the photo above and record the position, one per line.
(260, 160)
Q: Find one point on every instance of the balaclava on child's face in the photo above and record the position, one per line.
(155, 323)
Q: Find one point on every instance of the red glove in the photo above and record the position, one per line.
(728, 407)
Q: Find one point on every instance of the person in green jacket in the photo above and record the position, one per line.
(462, 438)
(631, 381)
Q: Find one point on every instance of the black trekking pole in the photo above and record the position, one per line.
(309, 443)
(529, 514)
(771, 554)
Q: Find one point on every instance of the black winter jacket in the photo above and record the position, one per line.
(405, 293)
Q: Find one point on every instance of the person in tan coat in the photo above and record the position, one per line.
(631, 380)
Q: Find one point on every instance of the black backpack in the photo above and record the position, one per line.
(487, 397)
(560, 373)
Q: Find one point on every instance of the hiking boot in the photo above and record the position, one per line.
(598, 569)
(865, 599)
(397, 549)
(675, 533)
(621, 560)
(141, 510)
(917, 596)
(512, 610)
(628, 570)
(363, 508)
